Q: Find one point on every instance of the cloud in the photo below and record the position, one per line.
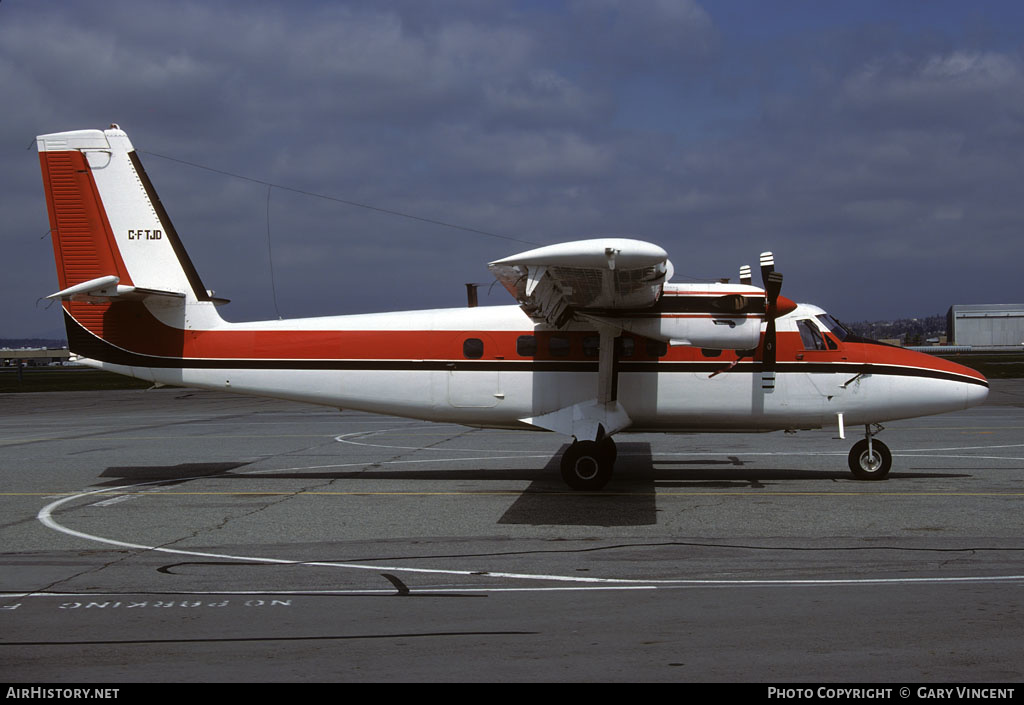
(937, 89)
(640, 35)
(846, 149)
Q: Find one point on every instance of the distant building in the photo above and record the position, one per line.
(31, 357)
(992, 326)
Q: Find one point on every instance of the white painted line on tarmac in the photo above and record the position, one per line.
(349, 439)
(45, 516)
(113, 500)
(456, 589)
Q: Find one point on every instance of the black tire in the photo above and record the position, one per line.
(607, 446)
(874, 466)
(585, 466)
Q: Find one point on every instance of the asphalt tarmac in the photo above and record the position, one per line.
(174, 535)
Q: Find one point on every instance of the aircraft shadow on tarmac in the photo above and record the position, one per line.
(629, 500)
(163, 474)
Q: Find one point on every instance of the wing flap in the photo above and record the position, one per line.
(587, 420)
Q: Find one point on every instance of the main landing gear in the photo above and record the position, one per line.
(587, 465)
(870, 459)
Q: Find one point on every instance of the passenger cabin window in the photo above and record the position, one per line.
(810, 335)
(473, 348)
(558, 346)
(526, 346)
(656, 348)
(625, 346)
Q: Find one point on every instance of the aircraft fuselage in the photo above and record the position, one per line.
(493, 367)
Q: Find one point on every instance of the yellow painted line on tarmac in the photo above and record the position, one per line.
(101, 436)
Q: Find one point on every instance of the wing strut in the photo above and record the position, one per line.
(598, 418)
(587, 464)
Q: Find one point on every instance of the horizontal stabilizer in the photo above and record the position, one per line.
(109, 288)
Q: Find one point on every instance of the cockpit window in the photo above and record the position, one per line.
(810, 335)
(835, 327)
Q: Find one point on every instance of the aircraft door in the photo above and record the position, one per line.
(473, 379)
(799, 393)
(822, 353)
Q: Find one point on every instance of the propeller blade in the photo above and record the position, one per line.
(768, 357)
(767, 265)
(772, 289)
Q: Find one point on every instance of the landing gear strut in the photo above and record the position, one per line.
(587, 465)
(870, 459)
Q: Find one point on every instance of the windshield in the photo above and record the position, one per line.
(835, 327)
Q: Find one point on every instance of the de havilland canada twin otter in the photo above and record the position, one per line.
(601, 341)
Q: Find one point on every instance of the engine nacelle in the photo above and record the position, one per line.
(715, 332)
(718, 316)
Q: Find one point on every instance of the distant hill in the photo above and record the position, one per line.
(15, 343)
(910, 331)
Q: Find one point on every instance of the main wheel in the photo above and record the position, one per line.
(607, 446)
(587, 465)
(872, 465)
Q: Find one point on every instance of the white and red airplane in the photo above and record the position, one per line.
(600, 342)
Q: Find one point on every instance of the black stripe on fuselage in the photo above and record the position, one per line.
(85, 343)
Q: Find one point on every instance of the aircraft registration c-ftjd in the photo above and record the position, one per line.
(600, 342)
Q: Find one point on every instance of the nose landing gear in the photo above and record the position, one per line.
(870, 459)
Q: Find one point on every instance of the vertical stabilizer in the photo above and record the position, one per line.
(106, 218)
(119, 260)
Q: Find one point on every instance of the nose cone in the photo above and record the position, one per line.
(970, 385)
(927, 385)
(976, 394)
(974, 383)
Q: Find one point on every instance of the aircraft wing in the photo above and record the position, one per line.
(605, 273)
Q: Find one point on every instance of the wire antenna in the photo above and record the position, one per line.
(270, 257)
(387, 211)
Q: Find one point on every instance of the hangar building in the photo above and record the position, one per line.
(992, 326)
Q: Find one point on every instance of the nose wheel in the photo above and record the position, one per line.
(588, 465)
(870, 459)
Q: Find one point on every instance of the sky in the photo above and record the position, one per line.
(877, 148)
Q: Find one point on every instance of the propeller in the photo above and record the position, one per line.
(772, 287)
(775, 305)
